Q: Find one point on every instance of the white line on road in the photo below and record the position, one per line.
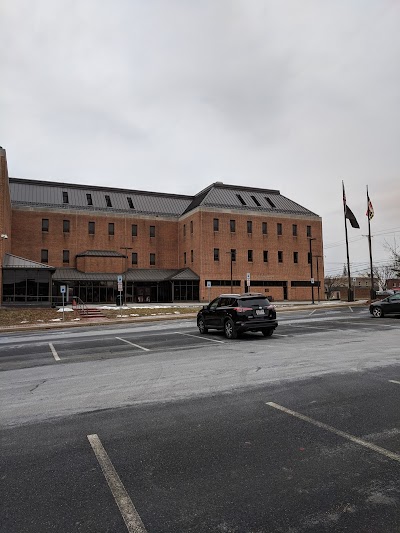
(131, 517)
(378, 449)
(53, 351)
(198, 337)
(280, 335)
(137, 345)
(312, 312)
(394, 381)
(351, 309)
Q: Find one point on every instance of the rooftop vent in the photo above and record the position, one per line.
(108, 200)
(89, 199)
(65, 197)
(255, 201)
(241, 199)
(130, 203)
(271, 203)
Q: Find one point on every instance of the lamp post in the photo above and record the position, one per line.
(126, 248)
(311, 271)
(318, 257)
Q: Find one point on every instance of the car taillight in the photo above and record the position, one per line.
(242, 309)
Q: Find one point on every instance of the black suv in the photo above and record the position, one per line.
(236, 313)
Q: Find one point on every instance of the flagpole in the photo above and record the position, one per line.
(372, 292)
(349, 290)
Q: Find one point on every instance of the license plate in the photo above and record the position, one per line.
(260, 312)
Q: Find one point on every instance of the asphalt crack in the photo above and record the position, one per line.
(38, 385)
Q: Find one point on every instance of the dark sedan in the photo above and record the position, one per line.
(387, 306)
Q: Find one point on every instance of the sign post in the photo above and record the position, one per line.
(248, 281)
(119, 279)
(63, 290)
(209, 290)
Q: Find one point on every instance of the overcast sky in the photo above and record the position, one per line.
(173, 95)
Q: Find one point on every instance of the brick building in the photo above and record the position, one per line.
(167, 247)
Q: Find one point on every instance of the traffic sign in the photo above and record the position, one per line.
(248, 277)
(63, 289)
(120, 289)
(208, 284)
(119, 279)
(312, 281)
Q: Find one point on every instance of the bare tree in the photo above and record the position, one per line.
(332, 283)
(382, 274)
(395, 257)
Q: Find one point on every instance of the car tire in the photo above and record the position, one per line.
(377, 312)
(267, 332)
(230, 330)
(202, 326)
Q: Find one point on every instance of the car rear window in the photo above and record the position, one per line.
(252, 302)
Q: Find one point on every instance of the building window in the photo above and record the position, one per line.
(279, 228)
(130, 203)
(264, 228)
(91, 228)
(191, 256)
(66, 256)
(45, 224)
(232, 225)
(184, 258)
(134, 258)
(134, 230)
(65, 197)
(89, 199)
(191, 226)
(216, 254)
(265, 256)
(295, 257)
(280, 256)
(184, 230)
(65, 226)
(309, 258)
(294, 230)
(250, 256)
(216, 224)
(44, 256)
(308, 231)
(111, 228)
(233, 254)
(152, 259)
(249, 226)
(108, 201)
(152, 231)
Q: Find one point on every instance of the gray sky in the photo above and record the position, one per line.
(173, 95)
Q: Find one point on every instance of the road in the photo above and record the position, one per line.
(157, 428)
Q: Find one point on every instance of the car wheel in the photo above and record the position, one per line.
(229, 329)
(377, 312)
(202, 326)
(267, 332)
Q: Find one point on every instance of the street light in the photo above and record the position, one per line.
(126, 248)
(311, 269)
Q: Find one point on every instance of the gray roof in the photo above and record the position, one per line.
(218, 195)
(100, 253)
(135, 275)
(13, 261)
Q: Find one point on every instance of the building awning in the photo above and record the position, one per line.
(135, 275)
(13, 261)
(100, 253)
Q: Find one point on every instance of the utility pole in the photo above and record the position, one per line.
(126, 248)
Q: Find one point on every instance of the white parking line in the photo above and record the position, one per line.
(394, 381)
(129, 513)
(351, 309)
(198, 337)
(53, 351)
(312, 312)
(280, 335)
(133, 344)
(373, 447)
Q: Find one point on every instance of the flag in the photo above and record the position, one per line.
(348, 213)
(370, 209)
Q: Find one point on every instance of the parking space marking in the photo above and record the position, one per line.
(312, 327)
(394, 381)
(280, 335)
(351, 309)
(312, 312)
(53, 351)
(128, 511)
(373, 447)
(133, 344)
(198, 337)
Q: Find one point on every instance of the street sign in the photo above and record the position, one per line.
(120, 289)
(63, 289)
(354, 280)
(248, 277)
(119, 279)
(208, 284)
(312, 281)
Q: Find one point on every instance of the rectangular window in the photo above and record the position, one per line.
(264, 228)
(279, 228)
(45, 224)
(184, 258)
(65, 226)
(191, 226)
(308, 231)
(184, 230)
(191, 256)
(295, 257)
(152, 259)
(249, 226)
(250, 256)
(216, 254)
(130, 203)
(265, 255)
(216, 224)
(309, 258)
(294, 230)
(111, 228)
(108, 200)
(134, 230)
(280, 256)
(134, 258)
(91, 228)
(89, 199)
(44, 256)
(232, 225)
(65, 197)
(233, 254)
(152, 231)
(66, 256)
